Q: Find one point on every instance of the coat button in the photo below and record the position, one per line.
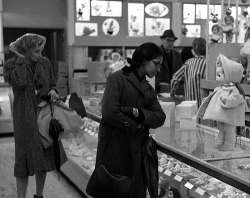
(126, 123)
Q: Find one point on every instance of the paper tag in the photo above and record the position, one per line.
(189, 185)
(160, 169)
(200, 191)
(92, 133)
(178, 178)
(168, 173)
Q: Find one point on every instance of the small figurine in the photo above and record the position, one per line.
(228, 28)
(226, 103)
(216, 37)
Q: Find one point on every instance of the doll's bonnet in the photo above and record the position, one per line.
(233, 71)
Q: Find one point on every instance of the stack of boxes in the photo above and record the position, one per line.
(62, 81)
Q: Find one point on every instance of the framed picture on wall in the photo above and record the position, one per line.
(86, 29)
(156, 10)
(110, 27)
(82, 10)
(156, 26)
(191, 31)
(135, 19)
(189, 13)
(106, 8)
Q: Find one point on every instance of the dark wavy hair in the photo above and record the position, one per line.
(199, 46)
(145, 52)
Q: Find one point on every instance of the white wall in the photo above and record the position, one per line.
(34, 13)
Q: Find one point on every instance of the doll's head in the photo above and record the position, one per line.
(229, 20)
(216, 29)
(228, 71)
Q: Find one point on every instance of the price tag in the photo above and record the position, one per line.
(189, 185)
(168, 173)
(212, 196)
(92, 133)
(178, 178)
(160, 169)
(200, 191)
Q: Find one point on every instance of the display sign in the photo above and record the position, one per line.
(110, 27)
(156, 26)
(189, 13)
(156, 9)
(120, 23)
(82, 10)
(135, 19)
(189, 185)
(86, 29)
(106, 8)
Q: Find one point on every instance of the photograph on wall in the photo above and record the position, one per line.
(201, 11)
(156, 10)
(156, 26)
(189, 13)
(110, 27)
(86, 29)
(135, 19)
(82, 10)
(191, 31)
(106, 8)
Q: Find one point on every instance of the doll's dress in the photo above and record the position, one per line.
(232, 112)
(215, 38)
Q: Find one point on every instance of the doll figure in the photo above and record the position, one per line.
(216, 37)
(226, 103)
(228, 28)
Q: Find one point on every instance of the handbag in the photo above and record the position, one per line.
(67, 117)
(103, 183)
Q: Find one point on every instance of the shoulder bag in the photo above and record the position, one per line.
(103, 183)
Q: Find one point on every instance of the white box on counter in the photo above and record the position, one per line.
(169, 110)
(188, 123)
(186, 109)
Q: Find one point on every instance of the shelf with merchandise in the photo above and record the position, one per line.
(183, 160)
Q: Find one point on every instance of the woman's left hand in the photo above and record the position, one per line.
(53, 95)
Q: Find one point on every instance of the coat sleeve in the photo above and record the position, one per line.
(15, 72)
(111, 107)
(232, 100)
(51, 73)
(154, 115)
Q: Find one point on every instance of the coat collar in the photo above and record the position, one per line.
(131, 77)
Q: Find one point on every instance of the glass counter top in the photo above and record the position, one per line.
(199, 143)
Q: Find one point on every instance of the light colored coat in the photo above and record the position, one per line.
(225, 104)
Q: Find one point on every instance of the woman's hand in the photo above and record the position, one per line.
(53, 95)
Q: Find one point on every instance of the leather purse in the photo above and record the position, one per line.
(103, 183)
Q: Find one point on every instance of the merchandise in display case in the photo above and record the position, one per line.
(187, 160)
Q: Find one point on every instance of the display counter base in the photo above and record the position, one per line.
(76, 174)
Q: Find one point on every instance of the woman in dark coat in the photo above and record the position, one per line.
(32, 80)
(129, 109)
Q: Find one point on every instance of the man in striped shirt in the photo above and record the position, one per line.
(191, 72)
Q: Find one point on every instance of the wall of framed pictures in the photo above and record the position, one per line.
(120, 23)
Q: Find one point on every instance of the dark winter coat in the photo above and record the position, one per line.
(163, 75)
(30, 81)
(123, 89)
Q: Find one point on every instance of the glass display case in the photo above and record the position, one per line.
(187, 160)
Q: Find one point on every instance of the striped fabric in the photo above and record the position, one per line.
(191, 72)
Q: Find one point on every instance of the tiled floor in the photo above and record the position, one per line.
(55, 187)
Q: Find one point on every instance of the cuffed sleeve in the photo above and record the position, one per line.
(15, 72)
